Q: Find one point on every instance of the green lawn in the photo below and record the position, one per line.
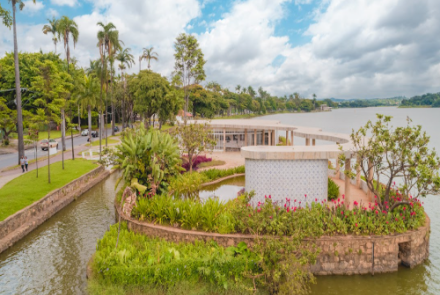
(26, 189)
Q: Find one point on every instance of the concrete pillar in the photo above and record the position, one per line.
(270, 137)
(263, 141)
(291, 133)
(287, 137)
(255, 136)
(358, 172)
(347, 182)
(307, 141)
(245, 138)
(337, 167)
(313, 142)
(224, 139)
(274, 139)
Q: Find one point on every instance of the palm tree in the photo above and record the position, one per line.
(66, 28)
(108, 43)
(237, 88)
(52, 27)
(149, 54)
(87, 97)
(314, 100)
(126, 60)
(17, 78)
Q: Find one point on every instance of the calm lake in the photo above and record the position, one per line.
(53, 258)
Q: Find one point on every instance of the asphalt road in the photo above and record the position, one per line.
(12, 159)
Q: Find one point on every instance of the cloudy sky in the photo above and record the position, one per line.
(334, 48)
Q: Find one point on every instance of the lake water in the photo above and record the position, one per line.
(423, 279)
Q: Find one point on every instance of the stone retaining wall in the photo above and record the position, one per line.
(16, 226)
(341, 255)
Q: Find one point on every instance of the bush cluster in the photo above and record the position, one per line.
(140, 260)
(286, 218)
(213, 174)
(199, 159)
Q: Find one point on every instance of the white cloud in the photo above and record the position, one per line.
(52, 13)
(30, 8)
(370, 48)
(70, 3)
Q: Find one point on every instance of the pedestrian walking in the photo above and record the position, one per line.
(22, 163)
(26, 163)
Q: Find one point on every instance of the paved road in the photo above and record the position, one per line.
(12, 159)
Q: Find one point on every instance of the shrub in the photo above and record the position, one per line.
(333, 190)
(188, 184)
(196, 162)
(140, 261)
(213, 174)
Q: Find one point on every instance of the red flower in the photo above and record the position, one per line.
(265, 196)
(354, 212)
(343, 196)
(397, 219)
(376, 212)
(339, 200)
(342, 213)
(249, 215)
(375, 197)
(270, 217)
(404, 208)
(270, 197)
(288, 209)
(356, 224)
(316, 200)
(285, 205)
(356, 203)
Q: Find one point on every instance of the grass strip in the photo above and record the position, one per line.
(27, 188)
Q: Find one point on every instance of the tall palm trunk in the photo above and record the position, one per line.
(17, 88)
(89, 115)
(111, 100)
(63, 136)
(71, 135)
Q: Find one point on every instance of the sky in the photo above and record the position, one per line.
(334, 48)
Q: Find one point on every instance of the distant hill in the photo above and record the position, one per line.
(425, 100)
(369, 102)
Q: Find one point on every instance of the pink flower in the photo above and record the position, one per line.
(376, 212)
(294, 200)
(343, 196)
(397, 219)
(270, 217)
(404, 208)
(288, 209)
(316, 200)
(339, 200)
(270, 197)
(375, 197)
(305, 195)
(342, 213)
(249, 215)
(265, 196)
(356, 224)
(354, 212)
(387, 222)
(356, 203)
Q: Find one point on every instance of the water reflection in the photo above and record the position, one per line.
(225, 190)
(53, 258)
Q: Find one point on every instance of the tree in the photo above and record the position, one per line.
(108, 43)
(237, 88)
(52, 28)
(8, 121)
(52, 86)
(149, 55)
(87, 96)
(148, 90)
(194, 139)
(17, 74)
(189, 62)
(126, 60)
(5, 15)
(172, 102)
(393, 154)
(66, 28)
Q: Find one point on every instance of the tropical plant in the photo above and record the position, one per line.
(67, 28)
(187, 185)
(148, 54)
(189, 64)
(126, 60)
(52, 28)
(150, 156)
(87, 95)
(6, 20)
(8, 121)
(5, 15)
(391, 154)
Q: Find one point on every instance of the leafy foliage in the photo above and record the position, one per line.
(333, 190)
(400, 153)
(213, 174)
(141, 260)
(150, 156)
(188, 185)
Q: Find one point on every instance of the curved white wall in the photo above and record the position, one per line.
(291, 179)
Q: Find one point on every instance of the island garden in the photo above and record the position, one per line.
(170, 241)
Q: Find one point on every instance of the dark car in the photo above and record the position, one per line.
(116, 129)
(94, 134)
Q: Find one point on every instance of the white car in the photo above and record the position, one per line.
(85, 132)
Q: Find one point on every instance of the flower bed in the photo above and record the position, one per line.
(238, 216)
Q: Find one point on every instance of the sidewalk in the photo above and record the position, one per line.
(7, 176)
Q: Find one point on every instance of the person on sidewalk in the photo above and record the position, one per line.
(22, 163)
(26, 163)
